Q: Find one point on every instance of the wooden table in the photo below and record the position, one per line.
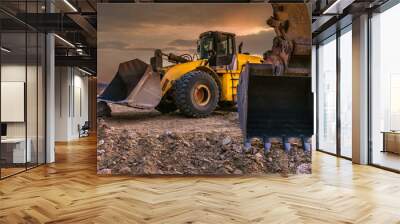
(13, 150)
(391, 141)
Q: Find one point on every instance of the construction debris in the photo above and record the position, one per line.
(170, 144)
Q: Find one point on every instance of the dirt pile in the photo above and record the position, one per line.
(198, 147)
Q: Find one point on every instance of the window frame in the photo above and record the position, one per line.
(334, 37)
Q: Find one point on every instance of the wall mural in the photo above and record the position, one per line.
(204, 89)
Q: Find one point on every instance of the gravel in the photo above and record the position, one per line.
(136, 144)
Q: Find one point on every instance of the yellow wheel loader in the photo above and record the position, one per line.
(194, 86)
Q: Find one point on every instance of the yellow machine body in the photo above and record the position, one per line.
(175, 72)
(228, 76)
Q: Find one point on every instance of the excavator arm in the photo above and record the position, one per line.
(275, 98)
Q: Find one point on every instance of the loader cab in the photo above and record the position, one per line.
(218, 47)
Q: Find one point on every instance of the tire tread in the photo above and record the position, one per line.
(181, 91)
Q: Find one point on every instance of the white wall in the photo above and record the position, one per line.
(71, 103)
(12, 73)
(79, 103)
(62, 81)
(16, 73)
(33, 126)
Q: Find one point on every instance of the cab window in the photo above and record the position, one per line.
(223, 46)
(230, 46)
(205, 47)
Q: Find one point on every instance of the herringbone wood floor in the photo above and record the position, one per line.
(69, 191)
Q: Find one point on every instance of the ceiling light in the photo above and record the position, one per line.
(70, 5)
(333, 6)
(84, 71)
(64, 40)
(5, 50)
(337, 7)
(79, 51)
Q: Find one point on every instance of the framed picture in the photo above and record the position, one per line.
(204, 89)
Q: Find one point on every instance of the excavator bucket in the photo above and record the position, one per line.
(135, 85)
(274, 106)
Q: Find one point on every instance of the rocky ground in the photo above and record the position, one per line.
(148, 143)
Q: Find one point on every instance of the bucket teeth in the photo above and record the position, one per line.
(306, 145)
(287, 147)
(267, 144)
(267, 147)
(247, 146)
(274, 106)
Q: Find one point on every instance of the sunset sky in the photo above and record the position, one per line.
(128, 31)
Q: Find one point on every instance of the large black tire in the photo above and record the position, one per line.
(103, 110)
(167, 104)
(196, 94)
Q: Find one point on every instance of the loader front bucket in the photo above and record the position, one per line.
(274, 106)
(135, 85)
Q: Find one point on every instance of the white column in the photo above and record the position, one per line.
(314, 90)
(50, 92)
(360, 90)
